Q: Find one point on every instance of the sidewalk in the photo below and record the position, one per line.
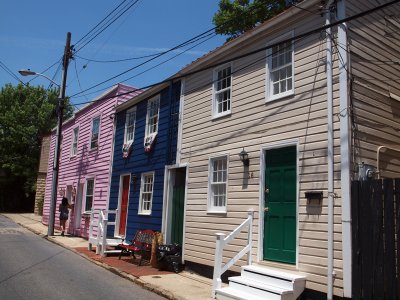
(181, 286)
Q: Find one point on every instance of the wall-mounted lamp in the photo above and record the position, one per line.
(244, 157)
(134, 180)
(365, 171)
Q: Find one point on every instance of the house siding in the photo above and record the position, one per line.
(139, 161)
(87, 163)
(300, 120)
(374, 50)
(42, 173)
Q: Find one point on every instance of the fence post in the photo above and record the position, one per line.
(90, 230)
(219, 247)
(104, 243)
(99, 224)
(250, 214)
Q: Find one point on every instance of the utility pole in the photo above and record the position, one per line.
(56, 163)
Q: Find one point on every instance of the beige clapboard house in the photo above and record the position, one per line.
(269, 93)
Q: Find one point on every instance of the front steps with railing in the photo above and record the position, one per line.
(98, 232)
(256, 283)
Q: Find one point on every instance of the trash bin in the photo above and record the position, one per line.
(169, 257)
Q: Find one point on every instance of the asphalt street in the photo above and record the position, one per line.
(33, 268)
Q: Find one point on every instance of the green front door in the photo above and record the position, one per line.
(178, 204)
(280, 205)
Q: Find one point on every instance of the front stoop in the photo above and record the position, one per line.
(256, 283)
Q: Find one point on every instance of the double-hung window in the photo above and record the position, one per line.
(146, 193)
(130, 126)
(89, 194)
(222, 91)
(74, 145)
(152, 118)
(94, 138)
(280, 77)
(153, 110)
(218, 182)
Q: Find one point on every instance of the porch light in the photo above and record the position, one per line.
(244, 157)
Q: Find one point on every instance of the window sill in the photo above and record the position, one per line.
(217, 212)
(144, 213)
(86, 214)
(221, 115)
(279, 96)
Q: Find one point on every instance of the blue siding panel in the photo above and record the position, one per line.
(163, 153)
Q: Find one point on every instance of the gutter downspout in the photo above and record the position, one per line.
(345, 151)
(330, 149)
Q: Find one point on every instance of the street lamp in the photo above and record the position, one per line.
(56, 163)
(28, 72)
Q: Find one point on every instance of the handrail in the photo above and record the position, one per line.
(378, 150)
(102, 223)
(92, 222)
(222, 241)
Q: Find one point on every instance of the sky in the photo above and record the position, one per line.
(33, 36)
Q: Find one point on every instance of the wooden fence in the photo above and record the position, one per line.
(375, 239)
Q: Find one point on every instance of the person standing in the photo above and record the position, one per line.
(64, 213)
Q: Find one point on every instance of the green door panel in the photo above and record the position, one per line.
(280, 202)
(178, 200)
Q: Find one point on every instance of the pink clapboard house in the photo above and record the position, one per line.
(85, 159)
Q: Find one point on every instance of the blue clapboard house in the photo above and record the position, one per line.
(145, 148)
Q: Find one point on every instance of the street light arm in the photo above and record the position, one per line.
(28, 72)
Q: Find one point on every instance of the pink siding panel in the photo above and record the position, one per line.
(87, 163)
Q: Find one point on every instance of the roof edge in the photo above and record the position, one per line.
(293, 10)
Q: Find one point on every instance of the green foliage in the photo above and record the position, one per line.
(237, 16)
(26, 114)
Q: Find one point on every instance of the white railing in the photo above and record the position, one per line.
(93, 223)
(101, 235)
(221, 243)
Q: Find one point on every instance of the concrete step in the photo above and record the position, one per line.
(281, 278)
(262, 289)
(229, 293)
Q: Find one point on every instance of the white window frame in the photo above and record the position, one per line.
(91, 140)
(127, 138)
(216, 92)
(149, 123)
(142, 209)
(74, 143)
(269, 84)
(211, 207)
(86, 194)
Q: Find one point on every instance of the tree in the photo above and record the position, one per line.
(237, 16)
(26, 114)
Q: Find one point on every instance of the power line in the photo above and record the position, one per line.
(98, 24)
(9, 72)
(106, 26)
(197, 88)
(205, 38)
(292, 39)
(118, 60)
(200, 36)
(153, 67)
(45, 70)
(153, 57)
(77, 76)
